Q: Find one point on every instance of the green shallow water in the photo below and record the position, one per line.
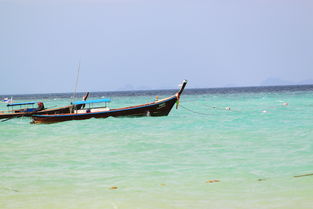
(254, 150)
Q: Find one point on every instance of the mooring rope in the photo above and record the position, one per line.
(228, 109)
(200, 113)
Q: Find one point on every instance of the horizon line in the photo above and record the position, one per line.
(141, 90)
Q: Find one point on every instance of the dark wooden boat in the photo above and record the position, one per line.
(156, 108)
(25, 109)
(40, 109)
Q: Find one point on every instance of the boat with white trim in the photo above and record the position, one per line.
(27, 109)
(24, 109)
(155, 108)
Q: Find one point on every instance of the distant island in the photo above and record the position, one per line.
(280, 82)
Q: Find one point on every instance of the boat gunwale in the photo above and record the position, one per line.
(111, 110)
(56, 108)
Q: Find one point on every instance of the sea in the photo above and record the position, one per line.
(224, 148)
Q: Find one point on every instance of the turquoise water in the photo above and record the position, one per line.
(253, 151)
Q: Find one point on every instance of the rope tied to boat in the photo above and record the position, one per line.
(190, 110)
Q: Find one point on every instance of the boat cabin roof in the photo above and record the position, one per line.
(22, 103)
(91, 101)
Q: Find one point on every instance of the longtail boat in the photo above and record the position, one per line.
(62, 110)
(155, 108)
(25, 109)
(29, 109)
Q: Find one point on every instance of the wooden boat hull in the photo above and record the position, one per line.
(158, 108)
(13, 115)
(58, 110)
(29, 114)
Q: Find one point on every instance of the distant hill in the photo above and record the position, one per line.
(280, 82)
(308, 81)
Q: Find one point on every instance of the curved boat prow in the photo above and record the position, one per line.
(182, 88)
(180, 92)
(86, 96)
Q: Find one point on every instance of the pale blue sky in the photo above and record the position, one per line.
(141, 44)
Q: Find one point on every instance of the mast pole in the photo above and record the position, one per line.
(76, 83)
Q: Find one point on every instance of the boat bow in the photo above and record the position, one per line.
(183, 85)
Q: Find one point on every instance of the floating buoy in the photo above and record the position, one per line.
(212, 181)
(285, 103)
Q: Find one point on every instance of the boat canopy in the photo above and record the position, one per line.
(91, 101)
(23, 103)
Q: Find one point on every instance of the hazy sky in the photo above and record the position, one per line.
(146, 44)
